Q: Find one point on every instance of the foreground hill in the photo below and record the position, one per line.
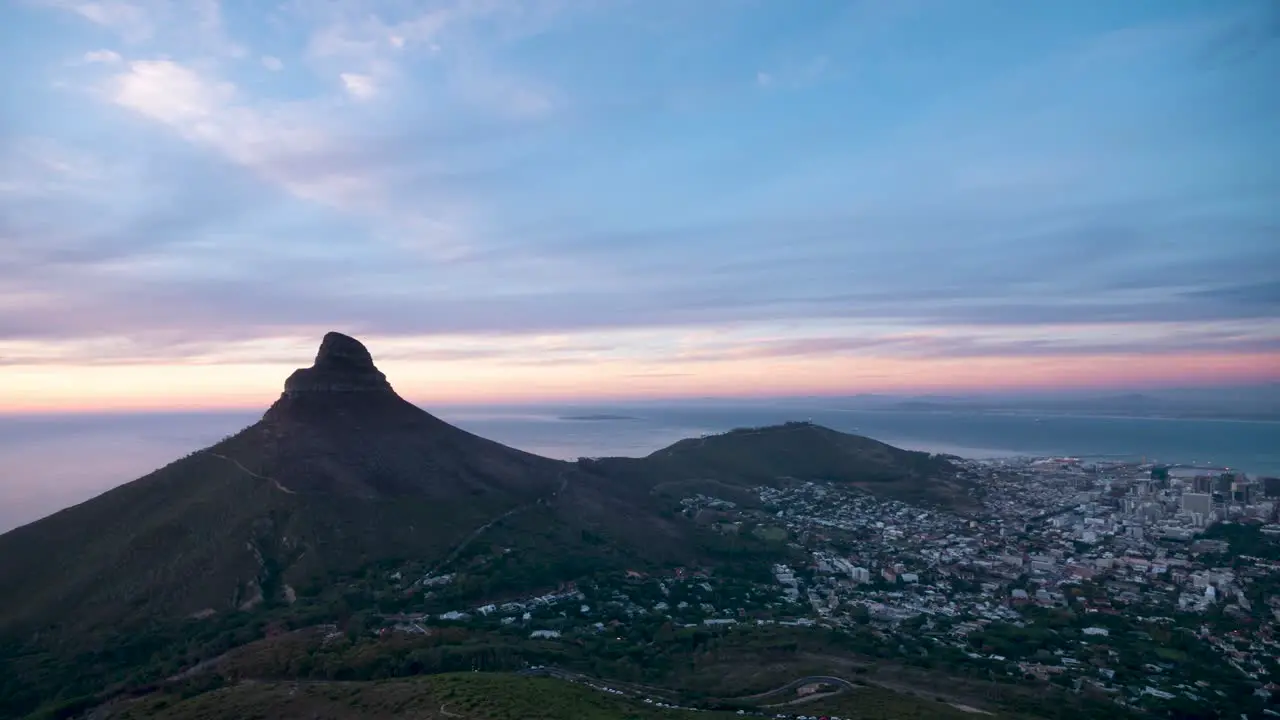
(342, 476)
(501, 697)
(484, 695)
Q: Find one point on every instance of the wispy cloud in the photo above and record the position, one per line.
(360, 87)
(794, 75)
(106, 57)
(132, 20)
(190, 25)
(468, 176)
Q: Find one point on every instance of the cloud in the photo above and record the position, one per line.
(960, 342)
(535, 169)
(269, 140)
(180, 26)
(132, 20)
(172, 94)
(106, 57)
(212, 31)
(35, 170)
(462, 37)
(360, 87)
(506, 94)
(1263, 295)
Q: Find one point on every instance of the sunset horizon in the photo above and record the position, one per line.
(231, 380)
(194, 194)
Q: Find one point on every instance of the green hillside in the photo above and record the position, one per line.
(463, 695)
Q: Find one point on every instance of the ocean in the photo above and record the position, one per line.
(51, 462)
(1250, 446)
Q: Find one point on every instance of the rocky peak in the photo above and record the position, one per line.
(343, 364)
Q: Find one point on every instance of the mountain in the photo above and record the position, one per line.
(729, 464)
(804, 451)
(341, 475)
(340, 471)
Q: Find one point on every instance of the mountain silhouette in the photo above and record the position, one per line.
(341, 473)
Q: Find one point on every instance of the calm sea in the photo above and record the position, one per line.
(48, 463)
(1251, 446)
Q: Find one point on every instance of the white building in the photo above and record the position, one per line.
(1197, 503)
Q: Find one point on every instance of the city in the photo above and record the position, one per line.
(1100, 577)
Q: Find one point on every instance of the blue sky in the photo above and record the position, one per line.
(609, 190)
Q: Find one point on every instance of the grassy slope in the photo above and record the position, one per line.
(870, 703)
(463, 695)
(491, 696)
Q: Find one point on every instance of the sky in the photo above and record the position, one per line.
(586, 199)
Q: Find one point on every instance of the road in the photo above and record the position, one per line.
(453, 554)
(637, 690)
(564, 484)
(801, 682)
(251, 473)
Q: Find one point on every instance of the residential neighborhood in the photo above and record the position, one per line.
(1103, 577)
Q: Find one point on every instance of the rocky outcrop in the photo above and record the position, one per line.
(342, 365)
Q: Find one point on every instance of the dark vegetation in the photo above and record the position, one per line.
(1245, 539)
(466, 695)
(711, 669)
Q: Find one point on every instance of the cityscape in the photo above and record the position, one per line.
(1144, 553)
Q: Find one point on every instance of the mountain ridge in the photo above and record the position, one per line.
(340, 471)
(340, 475)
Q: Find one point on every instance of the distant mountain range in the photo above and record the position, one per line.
(341, 475)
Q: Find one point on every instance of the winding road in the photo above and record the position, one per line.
(251, 473)
(453, 554)
(800, 682)
(637, 690)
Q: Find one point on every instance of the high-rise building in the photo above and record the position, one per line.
(1242, 493)
(1271, 487)
(1200, 503)
(1202, 484)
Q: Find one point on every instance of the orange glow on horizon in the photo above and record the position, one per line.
(171, 387)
